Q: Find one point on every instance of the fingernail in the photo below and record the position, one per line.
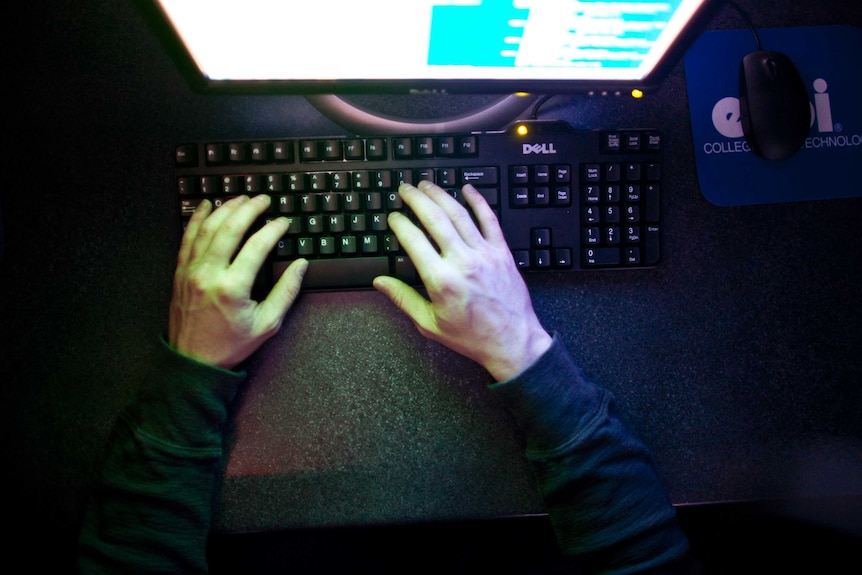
(425, 184)
(302, 268)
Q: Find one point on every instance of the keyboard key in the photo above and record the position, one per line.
(653, 248)
(402, 148)
(405, 270)
(215, 154)
(259, 152)
(309, 151)
(354, 149)
(375, 149)
(601, 256)
(563, 257)
(487, 176)
(186, 155)
(339, 272)
(282, 152)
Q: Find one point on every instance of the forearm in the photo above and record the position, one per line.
(607, 504)
(152, 508)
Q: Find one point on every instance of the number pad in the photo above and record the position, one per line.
(619, 214)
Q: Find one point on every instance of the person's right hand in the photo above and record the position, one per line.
(479, 304)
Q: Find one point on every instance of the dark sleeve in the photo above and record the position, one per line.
(151, 510)
(608, 506)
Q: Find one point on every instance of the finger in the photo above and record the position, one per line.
(247, 262)
(458, 215)
(433, 217)
(209, 227)
(409, 301)
(233, 228)
(285, 291)
(200, 214)
(488, 222)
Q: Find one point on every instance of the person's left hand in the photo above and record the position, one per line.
(213, 318)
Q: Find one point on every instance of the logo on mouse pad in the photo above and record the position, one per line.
(829, 59)
(727, 122)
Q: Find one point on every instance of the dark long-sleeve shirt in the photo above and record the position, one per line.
(151, 512)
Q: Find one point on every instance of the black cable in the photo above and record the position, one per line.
(747, 20)
(534, 115)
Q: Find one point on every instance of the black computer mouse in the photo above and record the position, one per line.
(773, 104)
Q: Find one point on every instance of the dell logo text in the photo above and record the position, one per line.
(539, 149)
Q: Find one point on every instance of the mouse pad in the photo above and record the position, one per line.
(829, 59)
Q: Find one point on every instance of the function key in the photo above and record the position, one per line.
(354, 149)
(446, 146)
(402, 148)
(215, 153)
(282, 152)
(332, 150)
(425, 147)
(259, 152)
(468, 146)
(237, 153)
(375, 149)
(309, 151)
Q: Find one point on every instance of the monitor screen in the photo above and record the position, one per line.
(426, 45)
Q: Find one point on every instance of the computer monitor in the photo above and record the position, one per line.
(438, 46)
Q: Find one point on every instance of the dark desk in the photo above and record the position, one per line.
(737, 360)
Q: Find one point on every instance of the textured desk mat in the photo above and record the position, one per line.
(829, 58)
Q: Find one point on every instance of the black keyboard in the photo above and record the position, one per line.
(567, 200)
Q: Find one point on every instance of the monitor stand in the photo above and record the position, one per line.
(483, 113)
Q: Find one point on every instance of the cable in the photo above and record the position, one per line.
(534, 114)
(747, 20)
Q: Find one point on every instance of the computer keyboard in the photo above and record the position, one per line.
(568, 200)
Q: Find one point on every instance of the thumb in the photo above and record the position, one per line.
(407, 299)
(285, 291)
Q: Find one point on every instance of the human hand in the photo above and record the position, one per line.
(213, 318)
(479, 304)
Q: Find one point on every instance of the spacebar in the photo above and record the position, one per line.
(339, 273)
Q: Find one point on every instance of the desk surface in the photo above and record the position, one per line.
(737, 360)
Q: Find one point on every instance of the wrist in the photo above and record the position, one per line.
(512, 362)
